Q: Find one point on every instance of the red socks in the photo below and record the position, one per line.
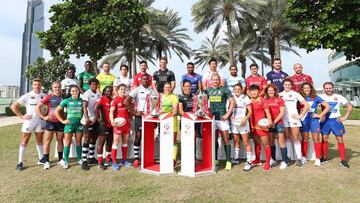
(267, 154)
(317, 148)
(324, 148)
(100, 159)
(341, 148)
(257, 152)
(304, 148)
(124, 149)
(113, 155)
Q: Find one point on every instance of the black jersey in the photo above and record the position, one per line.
(187, 101)
(161, 77)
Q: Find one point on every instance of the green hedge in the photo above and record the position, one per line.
(9, 112)
(355, 114)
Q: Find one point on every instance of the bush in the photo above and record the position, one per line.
(9, 112)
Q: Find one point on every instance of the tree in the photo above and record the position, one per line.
(48, 71)
(92, 27)
(210, 48)
(214, 12)
(331, 24)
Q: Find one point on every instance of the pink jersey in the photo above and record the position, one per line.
(257, 80)
(298, 80)
(136, 81)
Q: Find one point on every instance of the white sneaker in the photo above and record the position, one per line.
(61, 162)
(283, 165)
(303, 160)
(66, 165)
(80, 162)
(235, 161)
(317, 162)
(47, 165)
(272, 162)
(247, 166)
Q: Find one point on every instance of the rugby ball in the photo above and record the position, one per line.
(119, 122)
(44, 109)
(91, 118)
(264, 122)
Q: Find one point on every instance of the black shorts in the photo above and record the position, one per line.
(54, 126)
(94, 128)
(105, 131)
(138, 123)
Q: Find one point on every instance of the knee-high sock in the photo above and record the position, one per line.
(39, 148)
(114, 153)
(289, 148)
(22, 148)
(283, 153)
(216, 149)
(267, 154)
(273, 152)
(78, 152)
(100, 158)
(297, 146)
(257, 152)
(341, 148)
(46, 157)
(228, 152)
(60, 155)
(317, 149)
(91, 151)
(237, 153)
(136, 151)
(85, 151)
(324, 146)
(304, 147)
(66, 154)
(124, 149)
(175, 152)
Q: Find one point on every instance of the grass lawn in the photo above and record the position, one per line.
(329, 183)
(355, 114)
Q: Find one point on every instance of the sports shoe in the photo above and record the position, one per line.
(80, 161)
(66, 165)
(228, 166)
(41, 161)
(61, 162)
(283, 165)
(299, 163)
(344, 163)
(47, 165)
(256, 163)
(126, 163)
(317, 162)
(247, 166)
(19, 167)
(92, 161)
(303, 160)
(266, 167)
(115, 166)
(108, 163)
(235, 161)
(273, 162)
(85, 166)
(136, 163)
(101, 166)
(323, 160)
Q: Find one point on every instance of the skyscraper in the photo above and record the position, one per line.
(31, 45)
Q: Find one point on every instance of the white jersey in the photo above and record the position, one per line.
(30, 100)
(123, 80)
(140, 95)
(66, 83)
(91, 98)
(240, 107)
(335, 101)
(231, 81)
(207, 77)
(291, 98)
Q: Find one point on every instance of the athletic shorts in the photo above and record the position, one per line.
(105, 130)
(259, 132)
(222, 125)
(94, 128)
(332, 125)
(310, 125)
(73, 128)
(278, 128)
(138, 123)
(33, 125)
(291, 122)
(125, 129)
(54, 126)
(236, 129)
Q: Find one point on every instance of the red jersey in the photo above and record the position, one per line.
(120, 109)
(274, 107)
(52, 102)
(258, 80)
(259, 105)
(105, 103)
(298, 80)
(136, 81)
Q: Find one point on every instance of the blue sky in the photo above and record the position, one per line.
(12, 19)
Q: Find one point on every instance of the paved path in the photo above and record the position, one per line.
(16, 120)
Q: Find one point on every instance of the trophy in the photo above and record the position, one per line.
(200, 105)
(154, 105)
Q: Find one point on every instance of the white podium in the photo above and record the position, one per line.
(166, 144)
(188, 164)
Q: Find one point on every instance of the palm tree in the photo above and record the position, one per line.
(210, 48)
(214, 12)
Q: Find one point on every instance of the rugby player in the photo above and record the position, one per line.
(234, 78)
(255, 79)
(123, 79)
(276, 75)
(69, 80)
(85, 76)
(162, 76)
(193, 78)
(299, 78)
(136, 81)
(206, 79)
(105, 78)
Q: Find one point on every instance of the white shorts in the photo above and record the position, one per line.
(291, 122)
(222, 125)
(33, 125)
(236, 129)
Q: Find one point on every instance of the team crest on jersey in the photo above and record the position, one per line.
(32, 97)
(290, 95)
(335, 98)
(341, 131)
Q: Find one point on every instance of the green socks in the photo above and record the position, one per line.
(78, 152)
(66, 154)
(228, 152)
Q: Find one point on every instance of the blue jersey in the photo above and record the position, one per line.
(232, 81)
(194, 79)
(276, 79)
(313, 104)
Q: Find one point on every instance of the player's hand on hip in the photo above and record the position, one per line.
(27, 117)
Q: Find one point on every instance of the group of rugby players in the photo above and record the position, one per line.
(87, 108)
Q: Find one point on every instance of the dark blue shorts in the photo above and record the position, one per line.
(332, 125)
(310, 125)
(54, 126)
(278, 128)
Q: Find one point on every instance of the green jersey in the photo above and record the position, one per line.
(84, 77)
(73, 109)
(218, 97)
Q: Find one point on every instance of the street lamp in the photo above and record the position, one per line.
(262, 34)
